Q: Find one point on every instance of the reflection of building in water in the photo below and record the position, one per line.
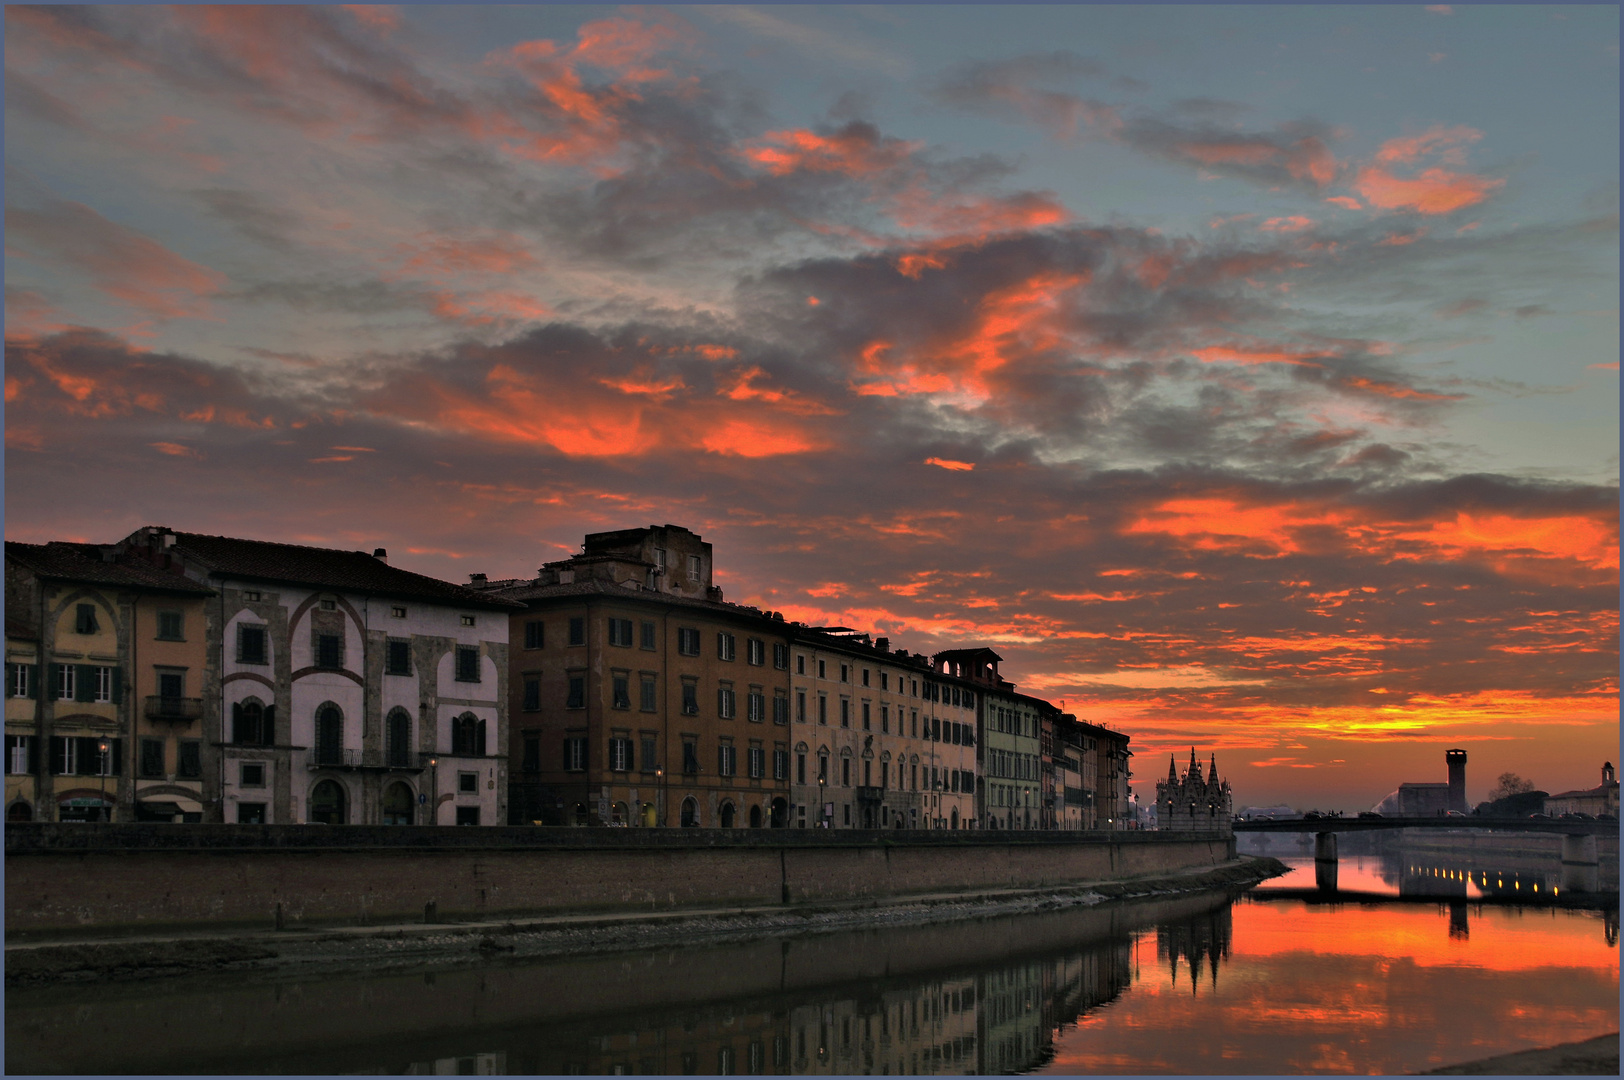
(926, 1029)
(1459, 926)
(493, 1064)
(721, 1040)
(1199, 942)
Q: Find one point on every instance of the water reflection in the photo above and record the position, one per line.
(1277, 986)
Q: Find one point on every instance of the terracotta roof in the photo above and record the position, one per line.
(529, 590)
(329, 568)
(83, 562)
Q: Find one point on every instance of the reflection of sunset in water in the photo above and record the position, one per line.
(1374, 988)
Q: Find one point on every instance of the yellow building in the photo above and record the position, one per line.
(104, 665)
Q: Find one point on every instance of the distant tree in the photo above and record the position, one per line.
(1509, 784)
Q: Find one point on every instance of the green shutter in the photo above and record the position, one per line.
(11, 678)
(118, 686)
(84, 682)
(56, 681)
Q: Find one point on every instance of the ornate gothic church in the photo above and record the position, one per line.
(1192, 802)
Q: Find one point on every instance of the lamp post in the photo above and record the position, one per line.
(659, 797)
(102, 747)
(434, 790)
(823, 780)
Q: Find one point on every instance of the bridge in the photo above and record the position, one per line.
(1579, 861)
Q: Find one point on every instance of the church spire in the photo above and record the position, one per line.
(1172, 769)
(1212, 770)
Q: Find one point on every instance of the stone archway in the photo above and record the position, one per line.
(727, 815)
(755, 817)
(328, 804)
(690, 813)
(398, 807)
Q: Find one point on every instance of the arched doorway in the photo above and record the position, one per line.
(19, 811)
(690, 813)
(727, 815)
(649, 819)
(955, 818)
(618, 814)
(327, 804)
(397, 804)
(329, 736)
(755, 817)
(581, 816)
(780, 813)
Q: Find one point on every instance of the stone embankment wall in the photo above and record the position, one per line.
(67, 877)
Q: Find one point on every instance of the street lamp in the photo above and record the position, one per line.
(659, 796)
(823, 780)
(434, 790)
(103, 748)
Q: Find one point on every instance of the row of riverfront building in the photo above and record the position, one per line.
(175, 676)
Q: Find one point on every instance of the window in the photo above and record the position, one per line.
(620, 633)
(727, 646)
(659, 559)
(845, 712)
(620, 754)
(467, 783)
(885, 680)
(253, 774)
(865, 715)
(329, 651)
(800, 768)
(822, 673)
(726, 760)
(329, 736)
(650, 636)
(84, 620)
(780, 656)
(250, 644)
(251, 724)
(823, 767)
(575, 698)
(690, 756)
(726, 705)
(648, 699)
(688, 641)
(577, 630)
(397, 612)
(780, 707)
(467, 620)
(152, 758)
(329, 605)
(20, 680)
(531, 762)
(252, 595)
(66, 681)
(106, 677)
(690, 697)
(885, 719)
(534, 638)
(532, 693)
(399, 734)
(467, 815)
(781, 765)
(575, 753)
(843, 673)
(800, 706)
(468, 735)
(693, 568)
(755, 652)
(171, 685)
(620, 683)
(756, 762)
(823, 709)
(467, 663)
(190, 763)
(800, 665)
(19, 754)
(845, 772)
(756, 707)
(865, 676)
(397, 658)
(650, 753)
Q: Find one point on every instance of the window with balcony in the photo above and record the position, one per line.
(329, 736)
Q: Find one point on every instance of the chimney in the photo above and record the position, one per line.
(883, 644)
(380, 554)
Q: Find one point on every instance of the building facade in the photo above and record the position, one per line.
(104, 667)
(1194, 802)
(345, 690)
(1597, 801)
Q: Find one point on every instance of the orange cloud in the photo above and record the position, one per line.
(1287, 224)
(948, 463)
(752, 439)
(855, 150)
(1434, 191)
(1234, 354)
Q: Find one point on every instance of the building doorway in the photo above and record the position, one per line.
(780, 814)
(755, 817)
(19, 811)
(727, 815)
(955, 818)
(690, 814)
(649, 820)
(397, 805)
(327, 804)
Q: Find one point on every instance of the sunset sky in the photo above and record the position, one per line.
(1246, 376)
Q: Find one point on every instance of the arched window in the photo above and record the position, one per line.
(727, 815)
(400, 738)
(397, 804)
(253, 724)
(19, 811)
(690, 813)
(327, 803)
(329, 735)
(468, 735)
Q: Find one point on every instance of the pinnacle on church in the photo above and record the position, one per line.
(1172, 769)
(1212, 770)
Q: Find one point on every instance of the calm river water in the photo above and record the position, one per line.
(1202, 984)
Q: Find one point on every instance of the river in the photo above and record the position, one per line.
(1209, 983)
